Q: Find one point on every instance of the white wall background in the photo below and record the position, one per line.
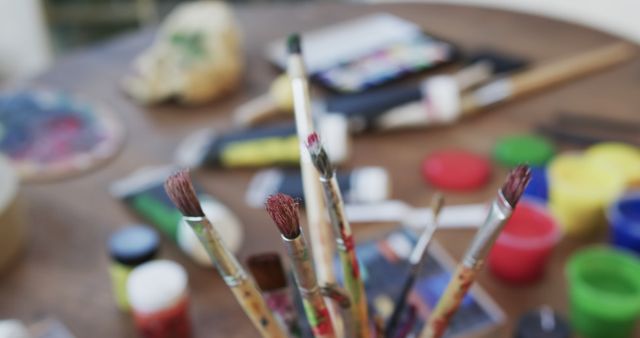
(24, 44)
(25, 49)
(618, 17)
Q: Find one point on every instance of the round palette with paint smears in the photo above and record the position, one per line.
(455, 169)
(50, 135)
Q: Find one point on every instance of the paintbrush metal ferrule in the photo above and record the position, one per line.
(337, 214)
(418, 253)
(499, 213)
(224, 261)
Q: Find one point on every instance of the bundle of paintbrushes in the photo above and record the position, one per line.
(326, 305)
(181, 191)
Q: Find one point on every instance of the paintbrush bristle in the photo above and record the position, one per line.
(515, 184)
(293, 44)
(283, 210)
(318, 155)
(268, 271)
(180, 190)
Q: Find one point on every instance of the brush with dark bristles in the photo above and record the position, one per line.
(293, 44)
(268, 272)
(180, 190)
(416, 261)
(462, 279)
(343, 235)
(283, 209)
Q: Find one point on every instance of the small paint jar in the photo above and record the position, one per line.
(604, 292)
(624, 220)
(158, 295)
(579, 191)
(542, 323)
(128, 248)
(522, 250)
(538, 186)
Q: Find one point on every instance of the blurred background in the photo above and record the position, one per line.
(34, 32)
(425, 109)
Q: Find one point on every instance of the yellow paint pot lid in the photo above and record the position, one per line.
(621, 157)
(577, 174)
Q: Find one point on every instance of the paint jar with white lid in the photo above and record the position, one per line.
(158, 295)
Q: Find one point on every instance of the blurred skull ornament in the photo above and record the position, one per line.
(196, 56)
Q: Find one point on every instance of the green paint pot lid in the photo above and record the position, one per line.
(518, 149)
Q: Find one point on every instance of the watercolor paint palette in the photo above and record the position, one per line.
(51, 134)
(366, 52)
(385, 266)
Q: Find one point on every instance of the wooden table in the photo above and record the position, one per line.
(64, 269)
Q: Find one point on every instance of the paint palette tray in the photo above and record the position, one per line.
(385, 266)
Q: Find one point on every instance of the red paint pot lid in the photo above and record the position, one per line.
(456, 170)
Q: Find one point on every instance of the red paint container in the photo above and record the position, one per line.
(158, 296)
(525, 244)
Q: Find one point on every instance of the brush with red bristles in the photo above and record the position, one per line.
(464, 276)
(181, 191)
(343, 236)
(283, 209)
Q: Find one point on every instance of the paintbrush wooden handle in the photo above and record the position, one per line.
(256, 308)
(544, 76)
(567, 69)
(449, 302)
(346, 248)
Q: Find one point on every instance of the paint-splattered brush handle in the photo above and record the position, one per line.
(245, 290)
(315, 307)
(346, 247)
(251, 300)
(449, 302)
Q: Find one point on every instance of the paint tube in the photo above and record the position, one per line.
(273, 145)
(143, 192)
(359, 185)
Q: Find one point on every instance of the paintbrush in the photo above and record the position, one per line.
(409, 322)
(180, 189)
(343, 236)
(284, 211)
(416, 261)
(449, 106)
(319, 230)
(464, 275)
(268, 272)
(340, 296)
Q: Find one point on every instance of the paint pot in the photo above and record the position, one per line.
(624, 219)
(522, 250)
(158, 294)
(513, 150)
(604, 292)
(272, 145)
(457, 170)
(542, 323)
(128, 248)
(622, 158)
(538, 186)
(579, 191)
(12, 223)
(359, 185)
